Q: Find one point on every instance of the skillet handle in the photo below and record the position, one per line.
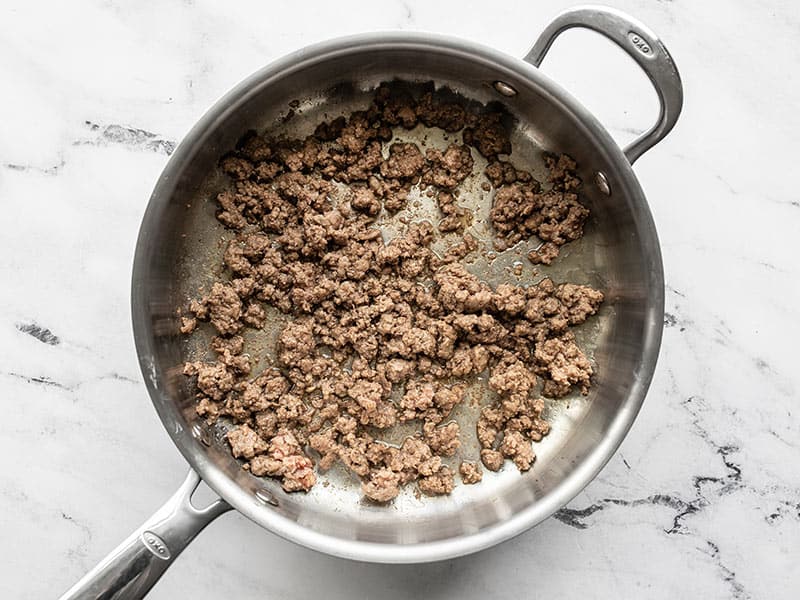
(134, 566)
(642, 45)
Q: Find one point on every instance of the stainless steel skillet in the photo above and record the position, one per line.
(620, 254)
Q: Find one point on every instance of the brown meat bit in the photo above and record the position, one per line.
(264, 391)
(470, 472)
(467, 360)
(305, 157)
(208, 409)
(213, 379)
(405, 162)
(456, 217)
(243, 286)
(231, 211)
(544, 254)
(581, 301)
(445, 400)
(298, 473)
(446, 334)
(562, 172)
(511, 377)
(229, 352)
(480, 358)
(368, 395)
(224, 308)
(263, 464)
(236, 260)
(447, 170)
(448, 116)
(406, 246)
(364, 199)
(417, 401)
(488, 135)
(199, 309)
(396, 109)
(398, 369)
(383, 485)
(356, 133)
(487, 428)
(188, 324)
(492, 459)
(236, 167)
(362, 164)
(415, 459)
(254, 148)
(353, 453)
(285, 459)
(468, 245)
(265, 172)
(437, 484)
(442, 440)
(517, 448)
(328, 132)
(565, 364)
(419, 341)
(461, 291)
(480, 329)
(326, 445)
(562, 218)
(394, 192)
(519, 211)
(296, 341)
(510, 299)
(254, 315)
(501, 172)
(461, 363)
(512, 208)
(245, 443)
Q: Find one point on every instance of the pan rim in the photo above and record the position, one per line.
(367, 551)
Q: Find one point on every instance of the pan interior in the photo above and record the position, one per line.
(186, 242)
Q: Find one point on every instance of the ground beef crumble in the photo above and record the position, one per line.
(385, 333)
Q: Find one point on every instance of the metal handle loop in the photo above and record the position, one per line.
(641, 44)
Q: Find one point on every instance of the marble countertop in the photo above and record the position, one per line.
(701, 500)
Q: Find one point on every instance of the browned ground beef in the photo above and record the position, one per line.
(385, 333)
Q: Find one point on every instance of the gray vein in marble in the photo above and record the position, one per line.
(409, 14)
(727, 484)
(127, 136)
(54, 170)
(781, 201)
(737, 589)
(40, 380)
(671, 320)
(785, 509)
(49, 382)
(779, 437)
(42, 334)
(118, 377)
(674, 291)
(574, 517)
(82, 549)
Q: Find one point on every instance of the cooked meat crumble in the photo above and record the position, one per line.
(380, 333)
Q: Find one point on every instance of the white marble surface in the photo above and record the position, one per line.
(703, 498)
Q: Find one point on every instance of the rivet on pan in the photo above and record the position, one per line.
(505, 89)
(201, 434)
(266, 497)
(601, 182)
